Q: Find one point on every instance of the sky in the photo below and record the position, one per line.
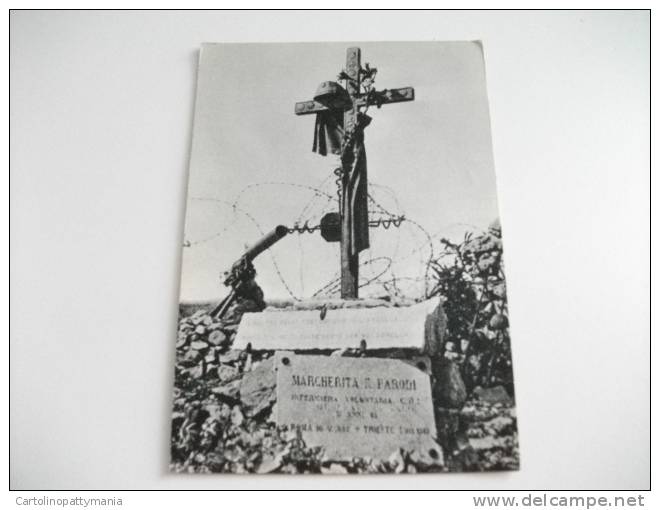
(252, 165)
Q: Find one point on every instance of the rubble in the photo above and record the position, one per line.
(334, 469)
(449, 389)
(488, 437)
(494, 395)
(224, 415)
(257, 388)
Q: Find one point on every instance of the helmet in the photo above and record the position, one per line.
(332, 95)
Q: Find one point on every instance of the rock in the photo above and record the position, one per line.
(257, 390)
(200, 330)
(197, 317)
(270, 463)
(291, 435)
(498, 322)
(247, 366)
(198, 345)
(216, 337)
(489, 443)
(233, 454)
(396, 462)
(190, 358)
(236, 416)
(227, 372)
(448, 424)
(272, 417)
(433, 458)
(252, 440)
(494, 395)
(230, 328)
(219, 412)
(435, 326)
(334, 469)
(228, 391)
(214, 411)
(196, 372)
(231, 357)
(502, 424)
(486, 243)
(499, 289)
(449, 389)
(454, 356)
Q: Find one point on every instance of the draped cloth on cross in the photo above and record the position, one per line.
(328, 136)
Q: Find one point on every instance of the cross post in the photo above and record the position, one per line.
(360, 98)
(350, 260)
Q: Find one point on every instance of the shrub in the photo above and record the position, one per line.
(470, 275)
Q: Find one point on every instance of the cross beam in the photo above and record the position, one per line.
(360, 99)
(380, 98)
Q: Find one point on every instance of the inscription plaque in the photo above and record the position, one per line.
(378, 328)
(357, 407)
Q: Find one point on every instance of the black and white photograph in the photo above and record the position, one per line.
(338, 316)
(329, 250)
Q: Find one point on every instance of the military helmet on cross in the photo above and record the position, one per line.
(333, 96)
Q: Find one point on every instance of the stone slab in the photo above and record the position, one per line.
(357, 407)
(374, 328)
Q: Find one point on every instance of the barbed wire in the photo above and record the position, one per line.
(234, 207)
(279, 183)
(261, 231)
(380, 217)
(380, 222)
(329, 288)
(392, 195)
(314, 198)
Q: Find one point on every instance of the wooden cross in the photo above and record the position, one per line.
(360, 99)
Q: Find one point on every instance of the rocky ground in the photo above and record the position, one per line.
(223, 419)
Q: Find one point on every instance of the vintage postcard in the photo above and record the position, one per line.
(343, 302)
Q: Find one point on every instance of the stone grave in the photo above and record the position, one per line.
(355, 382)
